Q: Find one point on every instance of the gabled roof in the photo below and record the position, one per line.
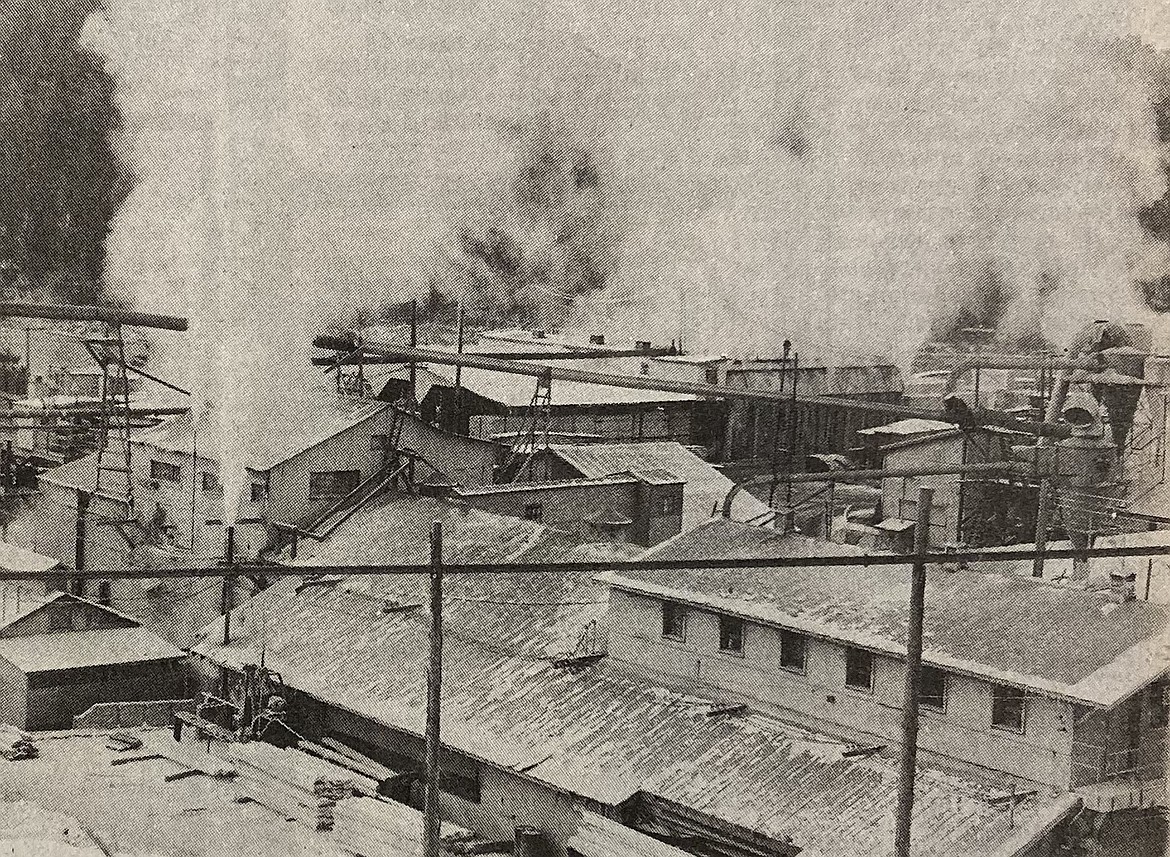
(287, 425)
(38, 602)
(80, 649)
(705, 486)
(597, 732)
(1055, 640)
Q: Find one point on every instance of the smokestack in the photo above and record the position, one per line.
(229, 548)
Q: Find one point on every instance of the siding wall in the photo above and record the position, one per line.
(55, 707)
(962, 734)
(672, 421)
(13, 695)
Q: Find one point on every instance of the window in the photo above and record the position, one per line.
(379, 442)
(105, 595)
(674, 620)
(712, 375)
(932, 693)
(164, 471)
(209, 482)
(1007, 707)
(792, 650)
(258, 492)
(534, 512)
(859, 669)
(333, 484)
(730, 634)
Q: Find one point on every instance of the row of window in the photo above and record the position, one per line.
(1008, 704)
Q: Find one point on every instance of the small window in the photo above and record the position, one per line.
(730, 634)
(379, 442)
(1007, 707)
(534, 512)
(104, 593)
(859, 669)
(210, 483)
(793, 648)
(333, 484)
(258, 492)
(712, 375)
(674, 620)
(164, 471)
(932, 693)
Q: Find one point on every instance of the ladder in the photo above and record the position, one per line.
(114, 472)
(538, 424)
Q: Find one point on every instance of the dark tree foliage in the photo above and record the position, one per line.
(61, 181)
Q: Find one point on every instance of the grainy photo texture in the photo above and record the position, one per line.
(584, 428)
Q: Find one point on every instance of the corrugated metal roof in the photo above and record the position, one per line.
(287, 425)
(1018, 630)
(97, 647)
(705, 487)
(597, 732)
(515, 391)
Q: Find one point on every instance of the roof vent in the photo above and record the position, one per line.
(597, 339)
(538, 334)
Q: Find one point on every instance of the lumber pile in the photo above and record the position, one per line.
(384, 828)
(15, 745)
(298, 786)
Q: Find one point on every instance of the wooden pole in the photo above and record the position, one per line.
(229, 555)
(413, 344)
(454, 427)
(432, 847)
(909, 750)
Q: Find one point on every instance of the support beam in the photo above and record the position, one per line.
(644, 382)
(432, 844)
(909, 750)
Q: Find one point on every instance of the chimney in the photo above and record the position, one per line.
(597, 339)
(529, 843)
(1121, 586)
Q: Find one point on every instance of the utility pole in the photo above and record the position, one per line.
(229, 557)
(790, 513)
(909, 749)
(456, 408)
(432, 846)
(413, 344)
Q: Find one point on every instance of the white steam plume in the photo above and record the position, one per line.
(798, 169)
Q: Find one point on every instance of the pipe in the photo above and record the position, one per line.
(644, 382)
(88, 409)
(1010, 468)
(110, 315)
(1003, 362)
(582, 354)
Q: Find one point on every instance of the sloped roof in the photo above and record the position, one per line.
(515, 391)
(14, 558)
(597, 732)
(705, 486)
(96, 647)
(909, 426)
(287, 426)
(1030, 633)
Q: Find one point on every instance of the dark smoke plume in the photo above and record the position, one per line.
(61, 182)
(550, 237)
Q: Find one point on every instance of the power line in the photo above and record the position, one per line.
(597, 567)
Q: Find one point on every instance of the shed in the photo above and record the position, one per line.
(61, 654)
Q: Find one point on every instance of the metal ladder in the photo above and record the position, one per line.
(539, 423)
(113, 441)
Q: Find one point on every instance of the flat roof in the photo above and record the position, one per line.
(1052, 639)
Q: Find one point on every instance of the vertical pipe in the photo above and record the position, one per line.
(776, 428)
(413, 344)
(909, 749)
(457, 406)
(79, 546)
(432, 846)
(1044, 507)
(790, 515)
(229, 555)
